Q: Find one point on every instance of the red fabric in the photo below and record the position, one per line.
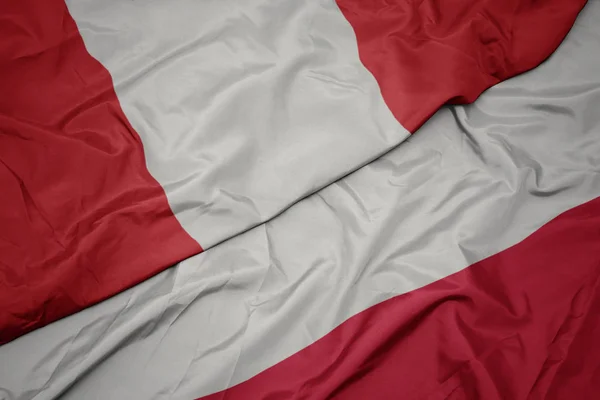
(575, 375)
(81, 218)
(425, 53)
(523, 323)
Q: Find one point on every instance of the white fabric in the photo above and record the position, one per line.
(243, 107)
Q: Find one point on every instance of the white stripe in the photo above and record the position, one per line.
(243, 107)
(472, 182)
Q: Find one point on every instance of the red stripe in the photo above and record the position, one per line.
(81, 218)
(425, 53)
(520, 324)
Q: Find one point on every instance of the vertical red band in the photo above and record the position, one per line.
(520, 324)
(425, 53)
(81, 218)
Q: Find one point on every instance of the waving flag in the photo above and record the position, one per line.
(463, 264)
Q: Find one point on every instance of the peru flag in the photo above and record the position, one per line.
(135, 135)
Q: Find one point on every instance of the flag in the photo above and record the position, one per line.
(460, 264)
